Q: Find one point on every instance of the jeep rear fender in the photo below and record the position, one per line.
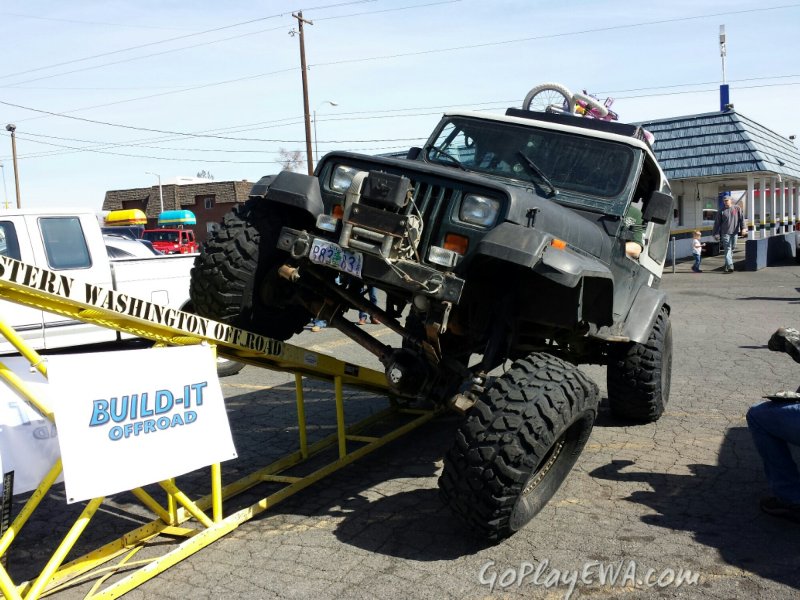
(291, 189)
(643, 313)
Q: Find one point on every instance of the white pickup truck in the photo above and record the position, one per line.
(71, 242)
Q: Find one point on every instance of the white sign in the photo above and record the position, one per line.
(134, 417)
(28, 442)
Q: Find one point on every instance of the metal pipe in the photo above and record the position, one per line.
(12, 128)
(673, 253)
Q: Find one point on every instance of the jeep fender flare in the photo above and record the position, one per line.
(643, 313)
(295, 190)
(530, 248)
(513, 243)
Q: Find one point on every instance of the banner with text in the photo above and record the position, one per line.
(134, 417)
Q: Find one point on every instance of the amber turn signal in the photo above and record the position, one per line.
(456, 243)
(338, 211)
(558, 244)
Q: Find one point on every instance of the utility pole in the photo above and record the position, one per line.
(12, 128)
(307, 116)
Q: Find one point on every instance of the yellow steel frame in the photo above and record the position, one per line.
(191, 524)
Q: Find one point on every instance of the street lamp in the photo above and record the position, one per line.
(316, 147)
(12, 128)
(160, 191)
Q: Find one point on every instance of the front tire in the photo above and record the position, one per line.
(518, 444)
(639, 379)
(235, 279)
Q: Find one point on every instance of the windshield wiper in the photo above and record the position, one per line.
(431, 149)
(538, 172)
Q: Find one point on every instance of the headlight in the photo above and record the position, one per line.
(479, 210)
(342, 178)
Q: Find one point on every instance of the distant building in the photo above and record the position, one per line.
(208, 200)
(710, 155)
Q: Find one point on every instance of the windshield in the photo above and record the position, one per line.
(161, 236)
(582, 164)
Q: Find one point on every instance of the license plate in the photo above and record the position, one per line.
(327, 253)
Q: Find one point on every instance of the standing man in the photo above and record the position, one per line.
(728, 223)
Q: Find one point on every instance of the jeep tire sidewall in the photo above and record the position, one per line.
(518, 444)
(639, 377)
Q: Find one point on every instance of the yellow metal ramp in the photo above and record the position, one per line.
(182, 523)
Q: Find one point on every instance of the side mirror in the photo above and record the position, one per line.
(658, 208)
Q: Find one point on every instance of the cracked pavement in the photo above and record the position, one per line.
(681, 493)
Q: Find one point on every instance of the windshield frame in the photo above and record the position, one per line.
(613, 200)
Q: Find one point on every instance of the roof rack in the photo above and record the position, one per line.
(616, 127)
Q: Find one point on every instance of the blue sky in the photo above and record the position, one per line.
(104, 91)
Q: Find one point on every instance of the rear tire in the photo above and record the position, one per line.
(639, 379)
(518, 444)
(235, 278)
(227, 367)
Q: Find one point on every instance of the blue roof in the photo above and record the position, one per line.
(721, 144)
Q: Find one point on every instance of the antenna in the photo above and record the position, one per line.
(724, 92)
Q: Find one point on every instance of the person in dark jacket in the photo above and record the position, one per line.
(728, 223)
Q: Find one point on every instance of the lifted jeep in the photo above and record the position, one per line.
(532, 237)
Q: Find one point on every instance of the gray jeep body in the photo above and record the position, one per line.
(546, 270)
(534, 237)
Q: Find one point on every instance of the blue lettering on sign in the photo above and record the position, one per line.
(129, 414)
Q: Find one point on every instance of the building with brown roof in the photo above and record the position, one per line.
(208, 200)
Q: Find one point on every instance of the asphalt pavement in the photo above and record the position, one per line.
(644, 506)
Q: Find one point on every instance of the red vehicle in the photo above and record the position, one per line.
(172, 241)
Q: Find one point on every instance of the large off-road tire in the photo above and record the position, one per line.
(518, 444)
(639, 377)
(235, 280)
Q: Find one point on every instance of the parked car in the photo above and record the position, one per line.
(70, 243)
(172, 241)
(118, 246)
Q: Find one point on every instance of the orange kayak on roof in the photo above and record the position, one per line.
(132, 216)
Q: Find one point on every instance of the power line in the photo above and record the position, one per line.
(148, 157)
(417, 53)
(386, 10)
(135, 58)
(210, 42)
(549, 36)
(362, 115)
(173, 39)
(79, 22)
(178, 133)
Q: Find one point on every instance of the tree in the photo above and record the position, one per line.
(291, 160)
(205, 174)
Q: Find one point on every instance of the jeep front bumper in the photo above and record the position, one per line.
(405, 275)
